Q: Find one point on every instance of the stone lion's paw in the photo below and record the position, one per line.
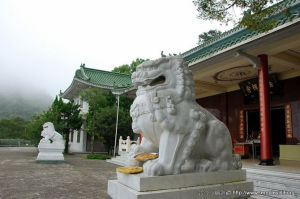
(135, 150)
(153, 168)
(44, 140)
(204, 165)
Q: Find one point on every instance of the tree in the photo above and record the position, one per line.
(255, 12)
(96, 100)
(106, 124)
(129, 69)
(100, 120)
(206, 36)
(66, 118)
(35, 126)
(14, 128)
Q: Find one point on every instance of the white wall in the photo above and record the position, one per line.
(84, 106)
(75, 146)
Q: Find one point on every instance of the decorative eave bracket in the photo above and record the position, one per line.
(252, 59)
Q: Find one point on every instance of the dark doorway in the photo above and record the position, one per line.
(278, 133)
(278, 129)
(252, 124)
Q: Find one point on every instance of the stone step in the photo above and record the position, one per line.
(266, 181)
(275, 184)
(117, 161)
(121, 158)
(257, 190)
(274, 173)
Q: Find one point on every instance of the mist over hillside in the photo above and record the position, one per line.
(23, 101)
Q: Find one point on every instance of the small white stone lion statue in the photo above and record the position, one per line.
(50, 135)
(187, 137)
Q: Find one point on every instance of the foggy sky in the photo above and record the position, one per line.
(43, 42)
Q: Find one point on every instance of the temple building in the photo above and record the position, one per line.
(86, 78)
(247, 79)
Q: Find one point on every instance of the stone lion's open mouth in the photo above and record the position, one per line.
(159, 80)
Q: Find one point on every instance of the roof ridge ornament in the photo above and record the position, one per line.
(85, 77)
(252, 59)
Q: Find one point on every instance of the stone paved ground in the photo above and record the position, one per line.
(22, 178)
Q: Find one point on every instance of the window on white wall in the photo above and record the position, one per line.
(78, 136)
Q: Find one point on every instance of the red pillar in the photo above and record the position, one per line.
(264, 103)
(141, 137)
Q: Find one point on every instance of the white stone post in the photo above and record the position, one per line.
(118, 99)
(120, 144)
(128, 144)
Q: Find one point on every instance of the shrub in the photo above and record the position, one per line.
(98, 156)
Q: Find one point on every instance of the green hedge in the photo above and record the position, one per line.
(98, 156)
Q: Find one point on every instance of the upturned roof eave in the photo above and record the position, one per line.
(93, 84)
(122, 91)
(246, 45)
(67, 94)
(195, 55)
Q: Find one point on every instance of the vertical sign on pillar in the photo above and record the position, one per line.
(288, 122)
(264, 108)
(242, 127)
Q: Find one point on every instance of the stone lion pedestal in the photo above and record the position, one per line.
(50, 152)
(221, 184)
(51, 146)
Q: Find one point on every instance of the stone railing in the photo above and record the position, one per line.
(124, 145)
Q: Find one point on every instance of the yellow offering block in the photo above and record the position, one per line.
(130, 169)
(290, 152)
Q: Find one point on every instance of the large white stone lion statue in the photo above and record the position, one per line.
(187, 137)
(50, 135)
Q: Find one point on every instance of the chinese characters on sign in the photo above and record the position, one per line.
(242, 127)
(288, 121)
(250, 87)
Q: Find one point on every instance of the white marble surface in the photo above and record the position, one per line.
(48, 153)
(186, 136)
(140, 182)
(121, 160)
(227, 191)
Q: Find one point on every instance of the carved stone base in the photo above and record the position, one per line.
(225, 184)
(228, 190)
(48, 153)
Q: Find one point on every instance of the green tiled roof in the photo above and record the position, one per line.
(103, 78)
(237, 35)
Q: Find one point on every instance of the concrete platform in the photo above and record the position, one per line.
(140, 182)
(228, 190)
(118, 160)
(222, 184)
